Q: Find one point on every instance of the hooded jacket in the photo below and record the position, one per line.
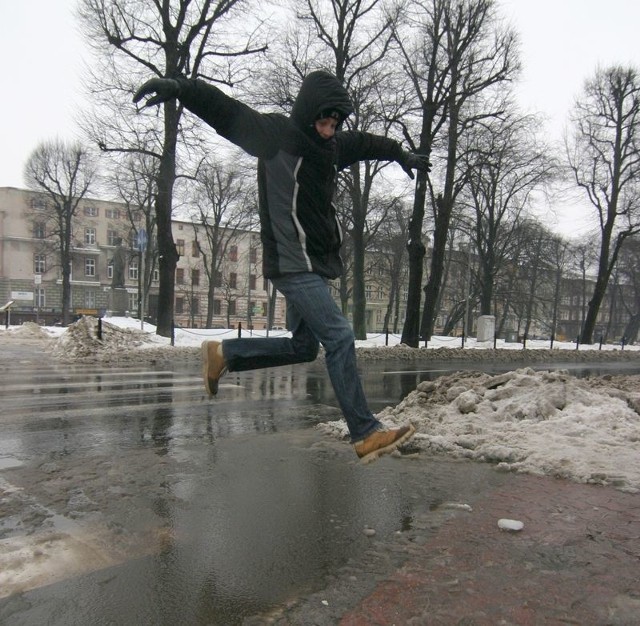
(297, 169)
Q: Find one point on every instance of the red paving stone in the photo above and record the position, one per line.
(577, 561)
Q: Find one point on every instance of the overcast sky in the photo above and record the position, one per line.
(562, 43)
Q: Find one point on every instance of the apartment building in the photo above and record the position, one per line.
(30, 275)
(241, 295)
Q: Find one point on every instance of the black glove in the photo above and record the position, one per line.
(164, 88)
(410, 161)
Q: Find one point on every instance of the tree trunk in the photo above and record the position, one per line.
(605, 266)
(432, 288)
(417, 251)
(168, 254)
(632, 328)
(357, 235)
(593, 309)
(444, 208)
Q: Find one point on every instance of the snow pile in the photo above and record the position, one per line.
(81, 340)
(547, 423)
(120, 343)
(28, 331)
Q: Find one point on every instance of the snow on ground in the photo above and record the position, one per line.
(538, 422)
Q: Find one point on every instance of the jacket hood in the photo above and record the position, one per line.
(320, 91)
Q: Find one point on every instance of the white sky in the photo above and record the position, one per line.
(563, 41)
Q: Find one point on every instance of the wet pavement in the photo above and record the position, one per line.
(576, 561)
(128, 497)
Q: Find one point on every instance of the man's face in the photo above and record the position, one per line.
(326, 127)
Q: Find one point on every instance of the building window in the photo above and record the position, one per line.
(156, 275)
(38, 202)
(368, 292)
(217, 307)
(265, 284)
(113, 237)
(265, 309)
(91, 211)
(195, 250)
(179, 306)
(89, 236)
(195, 277)
(39, 264)
(233, 280)
(217, 280)
(41, 300)
(133, 269)
(252, 282)
(112, 214)
(180, 276)
(232, 307)
(180, 246)
(39, 230)
(133, 302)
(89, 267)
(253, 255)
(195, 306)
(89, 299)
(233, 253)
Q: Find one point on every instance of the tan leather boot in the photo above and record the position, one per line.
(382, 442)
(213, 365)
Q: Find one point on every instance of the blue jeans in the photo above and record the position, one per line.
(313, 318)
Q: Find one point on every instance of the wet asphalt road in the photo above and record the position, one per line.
(129, 497)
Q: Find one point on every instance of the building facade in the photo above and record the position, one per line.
(31, 278)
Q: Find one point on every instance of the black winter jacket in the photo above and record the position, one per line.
(297, 170)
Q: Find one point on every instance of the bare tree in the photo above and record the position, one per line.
(138, 40)
(536, 273)
(559, 258)
(391, 249)
(458, 296)
(224, 204)
(603, 151)
(66, 173)
(505, 163)
(134, 181)
(458, 51)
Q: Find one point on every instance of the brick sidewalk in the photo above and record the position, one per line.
(577, 561)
